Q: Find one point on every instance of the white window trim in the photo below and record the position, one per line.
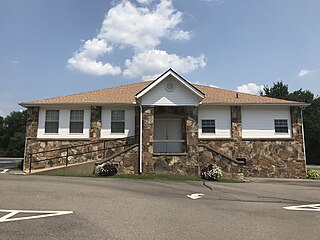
(79, 133)
(64, 124)
(129, 125)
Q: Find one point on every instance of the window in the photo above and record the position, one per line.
(52, 121)
(117, 121)
(209, 126)
(281, 125)
(76, 121)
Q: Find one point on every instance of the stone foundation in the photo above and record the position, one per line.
(264, 158)
(227, 164)
(56, 152)
(180, 165)
(127, 163)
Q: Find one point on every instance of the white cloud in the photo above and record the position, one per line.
(181, 35)
(151, 63)
(14, 62)
(251, 88)
(304, 72)
(86, 59)
(205, 84)
(144, 1)
(215, 1)
(141, 28)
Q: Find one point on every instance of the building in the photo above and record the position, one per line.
(184, 128)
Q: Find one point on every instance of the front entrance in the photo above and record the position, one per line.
(168, 135)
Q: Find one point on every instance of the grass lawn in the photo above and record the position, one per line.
(158, 177)
(169, 177)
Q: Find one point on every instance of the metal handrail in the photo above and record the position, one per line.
(85, 144)
(76, 154)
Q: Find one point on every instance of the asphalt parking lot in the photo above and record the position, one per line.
(147, 209)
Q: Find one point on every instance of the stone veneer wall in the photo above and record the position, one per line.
(147, 139)
(31, 130)
(265, 157)
(127, 163)
(32, 122)
(185, 163)
(95, 119)
(76, 152)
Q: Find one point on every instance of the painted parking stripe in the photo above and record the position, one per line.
(309, 207)
(4, 170)
(195, 196)
(37, 214)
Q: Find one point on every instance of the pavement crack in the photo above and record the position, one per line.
(204, 184)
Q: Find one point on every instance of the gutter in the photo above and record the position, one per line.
(257, 104)
(27, 104)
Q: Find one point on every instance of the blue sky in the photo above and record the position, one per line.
(54, 48)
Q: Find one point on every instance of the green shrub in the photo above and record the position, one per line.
(313, 174)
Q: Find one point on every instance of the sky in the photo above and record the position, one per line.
(54, 48)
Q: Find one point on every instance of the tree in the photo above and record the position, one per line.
(278, 90)
(311, 116)
(12, 134)
(301, 96)
(2, 150)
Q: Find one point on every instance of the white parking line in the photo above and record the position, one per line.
(41, 214)
(4, 170)
(309, 207)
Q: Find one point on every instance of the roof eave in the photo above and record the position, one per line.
(27, 104)
(259, 104)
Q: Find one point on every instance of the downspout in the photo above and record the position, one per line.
(140, 142)
(25, 157)
(304, 143)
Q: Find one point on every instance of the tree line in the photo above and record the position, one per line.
(12, 134)
(13, 127)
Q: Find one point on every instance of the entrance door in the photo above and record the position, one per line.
(167, 129)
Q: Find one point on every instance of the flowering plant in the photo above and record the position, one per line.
(212, 172)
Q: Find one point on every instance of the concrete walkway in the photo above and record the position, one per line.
(313, 167)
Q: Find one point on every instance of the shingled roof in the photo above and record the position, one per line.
(125, 94)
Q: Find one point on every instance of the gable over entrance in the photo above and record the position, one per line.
(170, 89)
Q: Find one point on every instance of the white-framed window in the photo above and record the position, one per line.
(281, 126)
(52, 121)
(76, 121)
(117, 121)
(208, 125)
